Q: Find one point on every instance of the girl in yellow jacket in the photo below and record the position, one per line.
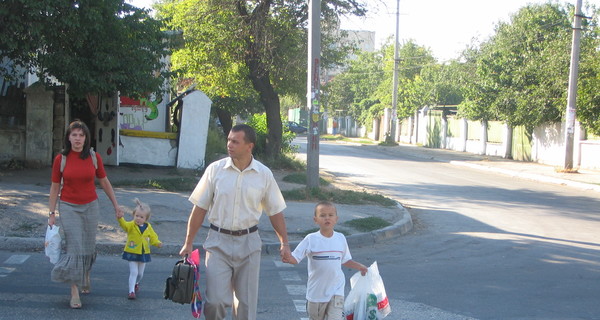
(140, 236)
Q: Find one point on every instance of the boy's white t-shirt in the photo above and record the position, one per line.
(325, 259)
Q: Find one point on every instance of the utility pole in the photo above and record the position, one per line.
(393, 117)
(572, 93)
(313, 93)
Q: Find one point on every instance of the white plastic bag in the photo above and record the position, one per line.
(52, 243)
(367, 299)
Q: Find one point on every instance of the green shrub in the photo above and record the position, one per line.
(216, 145)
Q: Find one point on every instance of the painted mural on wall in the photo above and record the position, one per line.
(141, 114)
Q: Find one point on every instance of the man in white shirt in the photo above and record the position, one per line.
(232, 194)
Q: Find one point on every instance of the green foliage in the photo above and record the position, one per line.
(250, 49)
(172, 184)
(300, 178)
(367, 224)
(216, 145)
(337, 196)
(259, 123)
(521, 73)
(95, 46)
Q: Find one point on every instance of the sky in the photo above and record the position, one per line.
(445, 27)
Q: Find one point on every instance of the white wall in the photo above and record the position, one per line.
(195, 119)
(150, 151)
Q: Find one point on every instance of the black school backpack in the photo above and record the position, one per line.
(179, 287)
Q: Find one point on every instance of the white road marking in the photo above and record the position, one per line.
(296, 290)
(280, 264)
(300, 305)
(289, 276)
(17, 259)
(4, 271)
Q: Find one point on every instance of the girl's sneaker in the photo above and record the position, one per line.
(137, 287)
(131, 296)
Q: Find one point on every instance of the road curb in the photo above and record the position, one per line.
(399, 228)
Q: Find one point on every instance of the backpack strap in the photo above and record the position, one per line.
(94, 159)
(63, 160)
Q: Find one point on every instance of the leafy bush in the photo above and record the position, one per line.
(259, 123)
(216, 145)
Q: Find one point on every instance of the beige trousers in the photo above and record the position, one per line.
(332, 310)
(232, 269)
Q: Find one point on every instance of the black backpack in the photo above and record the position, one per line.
(179, 287)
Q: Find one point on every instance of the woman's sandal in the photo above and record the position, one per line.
(75, 303)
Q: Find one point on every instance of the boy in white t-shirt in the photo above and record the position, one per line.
(327, 251)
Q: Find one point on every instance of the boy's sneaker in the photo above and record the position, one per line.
(137, 287)
(131, 296)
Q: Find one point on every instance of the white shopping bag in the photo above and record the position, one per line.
(52, 244)
(367, 299)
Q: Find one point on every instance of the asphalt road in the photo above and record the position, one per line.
(485, 245)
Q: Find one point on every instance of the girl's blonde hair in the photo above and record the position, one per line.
(140, 206)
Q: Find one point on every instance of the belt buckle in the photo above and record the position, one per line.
(238, 232)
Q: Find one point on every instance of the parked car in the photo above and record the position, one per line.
(295, 127)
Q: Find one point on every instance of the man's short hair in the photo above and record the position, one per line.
(249, 133)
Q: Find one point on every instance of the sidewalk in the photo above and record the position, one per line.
(25, 193)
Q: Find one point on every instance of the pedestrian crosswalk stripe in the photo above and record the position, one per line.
(280, 264)
(17, 259)
(4, 271)
(289, 276)
(296, 290)
(300, 305)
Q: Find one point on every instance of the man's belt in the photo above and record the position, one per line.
(234, 232)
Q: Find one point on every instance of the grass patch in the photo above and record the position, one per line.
(367, 224)
(565, 170)
(169, 184)
(337, 196)
(338, 137)
(300, 178)
(285, 161)
(28, 226)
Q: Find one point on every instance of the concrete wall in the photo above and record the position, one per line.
(148, 151)
(39, 125)
(12, 144)
(547, 142)
(195, 119)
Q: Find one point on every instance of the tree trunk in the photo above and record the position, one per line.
(259, 72)
(270, 100)
(225, 119)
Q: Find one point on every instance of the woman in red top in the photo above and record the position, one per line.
(78, 208)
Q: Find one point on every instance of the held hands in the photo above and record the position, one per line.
(119, 212)
(286, 254)
(51, 220)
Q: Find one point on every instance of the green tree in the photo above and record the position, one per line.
(413, 91)
(522, 71)
(588, 97)
(249, 49)
(95, 46)
(358, 82)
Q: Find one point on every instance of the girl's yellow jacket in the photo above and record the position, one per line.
(136, 240)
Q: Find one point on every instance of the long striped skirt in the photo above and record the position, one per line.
(79, 224)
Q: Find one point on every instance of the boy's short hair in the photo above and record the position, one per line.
(325, 204)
